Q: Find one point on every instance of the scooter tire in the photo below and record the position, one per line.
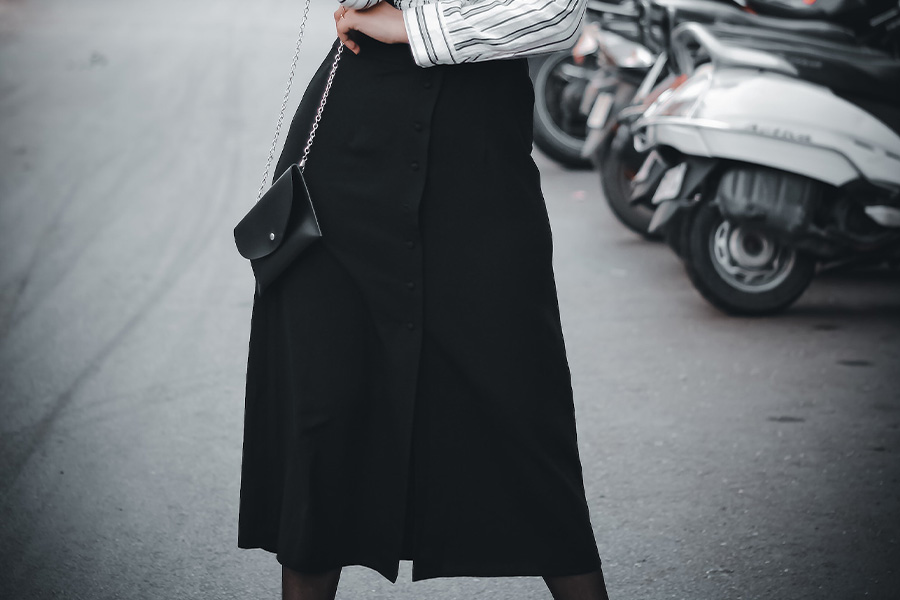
(618, 167)
(549, 137)
(698, 256)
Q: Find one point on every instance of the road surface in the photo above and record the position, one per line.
(724, 458)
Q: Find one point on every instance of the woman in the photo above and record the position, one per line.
(408, 395)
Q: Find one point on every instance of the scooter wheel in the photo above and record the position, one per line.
(741, 269)
(619, 165)
(559, 130)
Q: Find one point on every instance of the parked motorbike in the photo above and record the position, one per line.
(561, 80)
(609, 141)
(627, 66)
(765, 162)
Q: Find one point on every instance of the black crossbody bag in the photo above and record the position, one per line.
(282, 223)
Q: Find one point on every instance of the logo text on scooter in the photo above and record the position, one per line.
(781, 133)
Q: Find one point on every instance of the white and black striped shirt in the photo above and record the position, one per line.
(457, 31)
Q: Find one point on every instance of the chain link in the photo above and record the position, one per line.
(315, 126)
(287, 94)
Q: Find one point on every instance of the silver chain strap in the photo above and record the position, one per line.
(287, 94)
(315, 126)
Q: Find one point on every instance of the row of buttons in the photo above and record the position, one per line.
(411, 285)
(415, 166)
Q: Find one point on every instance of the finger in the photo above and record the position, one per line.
(344, 26)
(340, 13)
(343, 32)
(341, 27)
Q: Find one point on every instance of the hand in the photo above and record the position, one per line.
(382, 22)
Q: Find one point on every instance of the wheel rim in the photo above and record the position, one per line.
(566, 124)
(750, 260)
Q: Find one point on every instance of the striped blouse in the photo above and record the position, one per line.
(457, 31)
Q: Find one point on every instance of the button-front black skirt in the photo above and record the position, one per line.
(408, 395)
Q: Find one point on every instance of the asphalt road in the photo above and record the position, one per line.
(724, 458)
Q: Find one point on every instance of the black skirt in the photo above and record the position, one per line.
(408, 394)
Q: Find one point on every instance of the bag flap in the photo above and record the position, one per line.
(262, 229)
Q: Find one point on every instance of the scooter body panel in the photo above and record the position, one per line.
(777, 121)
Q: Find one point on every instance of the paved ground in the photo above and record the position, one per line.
(725, 458)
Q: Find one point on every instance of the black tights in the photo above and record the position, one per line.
(296, 586)
(589, 586)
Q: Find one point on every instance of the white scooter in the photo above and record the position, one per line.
(637, 73)
(765, 163)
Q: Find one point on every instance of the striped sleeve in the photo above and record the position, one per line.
(358, 4)
(457, 31)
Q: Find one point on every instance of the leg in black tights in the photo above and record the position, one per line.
(300, 586)
(589, 586)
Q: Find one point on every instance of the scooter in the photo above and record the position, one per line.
(609, 140)
(765, 163)
(562, 80)
(628, 69)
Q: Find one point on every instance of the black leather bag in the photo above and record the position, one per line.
(283, 222)
(278, 228)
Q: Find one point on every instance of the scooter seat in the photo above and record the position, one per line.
(818, 29)
(847, 69)
(799, 9)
